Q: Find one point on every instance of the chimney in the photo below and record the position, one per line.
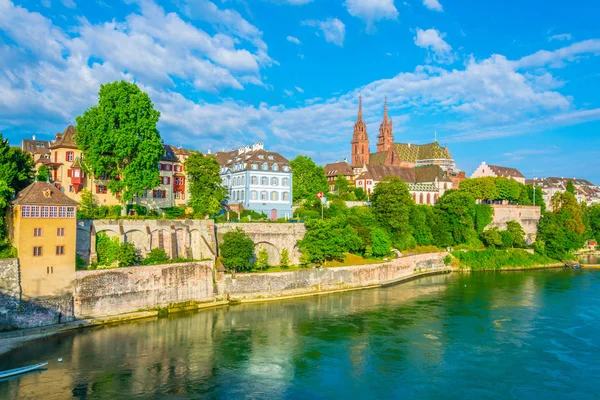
(345, 160)
(33, 137)
(208, 152)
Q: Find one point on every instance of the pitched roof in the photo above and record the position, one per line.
(576, 181)
(415, 152)
(409, 175)
(506, 172)
(43, 193)
(378, 158)
(169, 154)
(249, 156)
(65, 139)
(36, 146)
(338, 168)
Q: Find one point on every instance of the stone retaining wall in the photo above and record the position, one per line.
(527, 216)
(122, 290)
(260, 285)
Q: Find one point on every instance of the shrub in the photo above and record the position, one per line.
(262, 262)
(507, 239)
(128, 255)
(173, 212)
(285, 258)
(492, 237)
(380, 242)
(107, 249)
(254, 216)
(139, 210)
(80, 262)
(492, 259)
(447, 259)
(156, 256)
(237, 250)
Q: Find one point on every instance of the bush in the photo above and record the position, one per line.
(156, 256)
(128, 255)
(173, 212)
(447, 259)
(7, 250)
(492, 237)
(285, 258)
(380, 242)
(237, 250)
(253, 215)
(139, 210)
(107, 249)
(262, 262)
(492, 259)
(80, 262)
(507, 239)
(405, 242)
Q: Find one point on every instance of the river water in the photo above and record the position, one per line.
(519, 335)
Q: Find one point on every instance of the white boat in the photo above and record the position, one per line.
(22, 370)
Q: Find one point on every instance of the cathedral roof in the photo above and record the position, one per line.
(409, 175)
(415, 152)
(378, 158)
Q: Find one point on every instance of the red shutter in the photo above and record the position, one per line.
(168, 180)
(154, 194)
(164, 194)
(97, 189)
(69, 173)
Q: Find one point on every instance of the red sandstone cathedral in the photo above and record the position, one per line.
(415, 163)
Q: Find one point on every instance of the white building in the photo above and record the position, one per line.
(499, 172)
(258, 180)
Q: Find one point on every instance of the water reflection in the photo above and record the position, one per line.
(433, 335)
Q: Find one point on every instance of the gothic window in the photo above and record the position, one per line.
(274, 181)
(428, 198)
(273, 196)
(243, 180)
(242, 195)
(263, 195)
(254, 180)
(264, 181)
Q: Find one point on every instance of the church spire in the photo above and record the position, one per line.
(385, 111)
(359, 108)
(386, 135)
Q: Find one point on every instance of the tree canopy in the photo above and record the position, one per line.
(391, 202)
(308, 178)
(120, 141)
(206, 190)
(237, 250)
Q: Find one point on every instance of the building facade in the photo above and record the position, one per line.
(498, 172)
(585, 191)
(65, 162)
(42, 226)
(257, 180)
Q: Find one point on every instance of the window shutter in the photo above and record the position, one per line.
(168, 180)
(154, 194)
(69, 173)
(97, 189)
(164, 194)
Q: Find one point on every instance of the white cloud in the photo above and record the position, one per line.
(46, 3)
(299, 89)
(69, 3)
(293, 40)
(371, 11)
(560, 37)
(557, 58)
(433, 40)
(433, 5)
(333, 30)
(288, 92)
(290, 2)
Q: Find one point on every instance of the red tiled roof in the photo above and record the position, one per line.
(43, 193)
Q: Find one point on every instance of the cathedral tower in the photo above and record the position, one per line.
(386, 135)
(360, 140)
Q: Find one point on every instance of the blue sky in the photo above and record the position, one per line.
(513, 83)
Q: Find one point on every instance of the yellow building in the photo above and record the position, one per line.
(42, 226)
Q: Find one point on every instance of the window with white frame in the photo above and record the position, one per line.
(285, 182)
(274, 181)
(45, 211)
(265, 166)
(35, 211)
(62, 212)
(254, 180)
(273, 196)
(264, 181)
(254, 195)
(254, 166)
(275, 167)
(286, 196)
(263, 195)
(53, 212)
(26, 211)
(70, 212)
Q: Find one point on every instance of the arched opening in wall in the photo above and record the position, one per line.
(421, 198)
(139, 240)
(428, 198)
(414, 196)
(272, 250)
(435, 199)
(273, 214)
(161, 238)
(182, 244)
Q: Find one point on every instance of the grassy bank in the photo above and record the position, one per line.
(494, 260)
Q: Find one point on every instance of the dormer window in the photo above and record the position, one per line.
(261, 157)
(265, 166)
(286, 169)
(270, 157)
(254, 166)
(275, 167)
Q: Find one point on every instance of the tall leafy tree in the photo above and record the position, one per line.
(237, 251)
(342, 186)
(456, 216)
(508, 189)
(206, 190)
(481, 188)
(119, 139)
(570, 187)
(308, 178)
(391, 202)
(328, 240)
(16, 167)
(43, 174)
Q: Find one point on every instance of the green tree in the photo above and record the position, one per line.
(508, 239)
(285, 258)
(570, 187)
(206, 190)
(119, 139)
(328, 240)
(360, 194)
(342, 186)
(492, 237)
(380, 242)
(517, 233)
(456, 211)
(43, 174)
(539, 197)
(107, 249)
(237, 250)
(87, 206)
(484, 215)
(421, 220)
(480, 188)
(262, 261)
(156, 256)
(562, 230)
(508, 189)
(391, 203)
(594, 220)
(308, 178)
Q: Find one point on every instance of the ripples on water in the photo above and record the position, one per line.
(483, 335)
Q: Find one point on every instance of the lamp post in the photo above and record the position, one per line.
(534, 183)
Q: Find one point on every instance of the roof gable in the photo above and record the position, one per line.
(43, 193)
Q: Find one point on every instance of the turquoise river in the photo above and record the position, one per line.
(510, 335)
